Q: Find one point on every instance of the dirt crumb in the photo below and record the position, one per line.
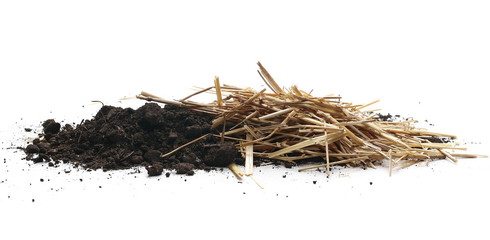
(155, 169)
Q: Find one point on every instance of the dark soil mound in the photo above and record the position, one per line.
(118, 138)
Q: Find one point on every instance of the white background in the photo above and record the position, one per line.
(424, 59)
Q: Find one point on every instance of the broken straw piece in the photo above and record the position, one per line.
(249, 157)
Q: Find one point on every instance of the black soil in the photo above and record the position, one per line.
(121, 138)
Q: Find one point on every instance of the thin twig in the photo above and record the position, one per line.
(183, 146)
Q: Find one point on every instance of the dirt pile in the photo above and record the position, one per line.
(121, 138)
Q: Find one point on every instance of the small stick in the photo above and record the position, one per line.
(230, 138)
(338, 162)
(418, 132)
(146, 94)
(256, 182)
(160, 100)
(183, 146)
(245, 119)
(236, 170)
(327, 157)
(194, 94)
(249, 157)
(269, 80)
(353, 123)
(125, 157)
(435, 145)
(401, 158)
(465, 155)
(275, 114)
(385, 135)
(267, 83)
(223, 131)
(391, 162)
(387, 157)
(448, 155)
(80, 136)
(251, 132)
(218, 91)
(97, 101)
(367, 105)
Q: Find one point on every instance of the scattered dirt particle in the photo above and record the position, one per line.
(154, 169)
(38, 159)
(385, 117)
(288, 164)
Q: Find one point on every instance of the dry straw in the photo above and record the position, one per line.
(292, 125)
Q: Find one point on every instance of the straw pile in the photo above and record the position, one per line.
(291, 125)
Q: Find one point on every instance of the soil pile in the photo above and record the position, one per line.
(121, 138)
